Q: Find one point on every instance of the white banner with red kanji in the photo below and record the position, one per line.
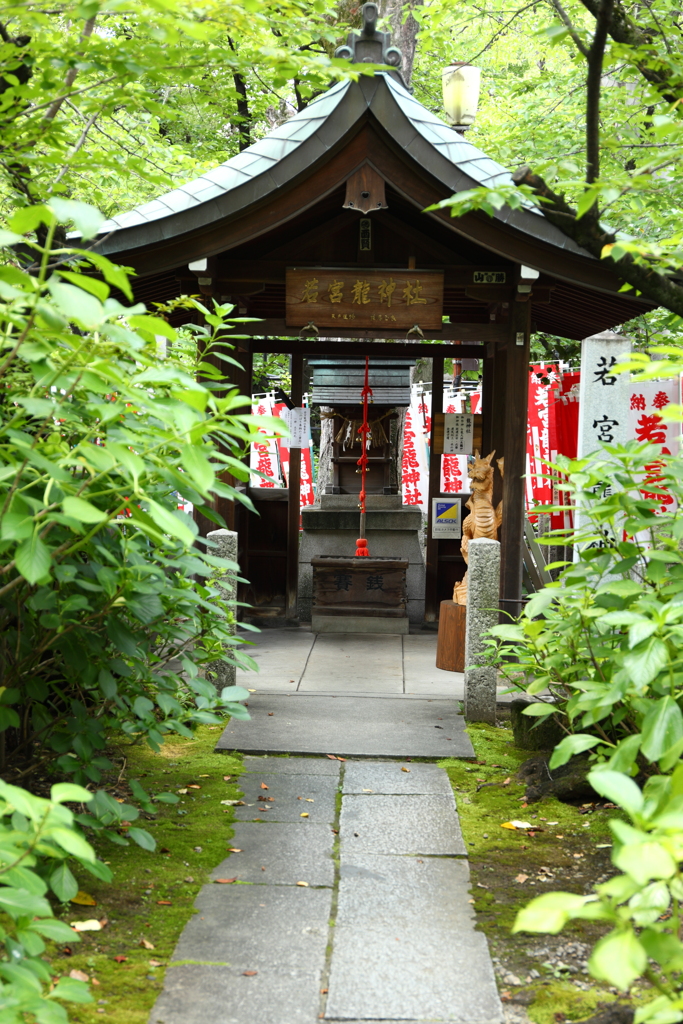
(263, 456)
(414, 465)
(648, 400)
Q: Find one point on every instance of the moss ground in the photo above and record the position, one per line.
(543, 972)
(152, 894)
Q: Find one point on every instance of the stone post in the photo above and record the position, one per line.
(604, 399)
(604, 396)
(225, 546)
(483, 591)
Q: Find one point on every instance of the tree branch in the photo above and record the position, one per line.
(568, 24)
(71, 73)
(594, 59)
(623, 30)
(244, 126)
(588, 233)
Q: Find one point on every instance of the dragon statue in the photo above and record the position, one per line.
(483, 520)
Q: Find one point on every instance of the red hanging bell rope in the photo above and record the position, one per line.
(363, 430)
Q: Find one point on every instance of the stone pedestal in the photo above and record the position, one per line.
(392, 531)
(225, 546)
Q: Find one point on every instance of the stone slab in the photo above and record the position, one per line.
(406, 824)
(292, 765)
(288, 797)
(389, 778)
(347, 661)
(420, 673)
(216, 995)
(290, 852)
(251, 927)
(281, 655)
(358, 624)
(421, 956)
(350, 727)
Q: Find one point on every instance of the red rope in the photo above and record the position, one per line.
(364, 430)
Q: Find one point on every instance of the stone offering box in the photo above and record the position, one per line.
(359, 595)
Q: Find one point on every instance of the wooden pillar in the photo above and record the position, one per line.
(432, 552)
(293, 505)
(487, 386)
(516, 399)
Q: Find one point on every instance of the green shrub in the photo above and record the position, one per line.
(642, 904)
(606, 640)
(104, 632)
(36, 838)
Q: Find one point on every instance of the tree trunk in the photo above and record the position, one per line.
(403, 34)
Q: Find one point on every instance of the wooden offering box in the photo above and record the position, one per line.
(359, 595)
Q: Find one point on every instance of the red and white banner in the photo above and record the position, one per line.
(541, 437)
(647, 402)
(263, 456)
(414, 466)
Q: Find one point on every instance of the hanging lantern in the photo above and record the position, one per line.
(461, 82)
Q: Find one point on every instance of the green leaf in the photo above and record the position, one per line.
(71, 990)
(548, 913)
(8, 237)
(662, 728)
(72, 843)
(142, 838)
(618, 959)
(617, 788)
(28, 218)
(63, 792)
(19, 903)
(152, 325)
(644, 665)
(58, 931)
(63, 883)
(645, 861)
(570, 746)
(33, 559)
(539, 709)
(16, 526)
(198, 467)
(82, 510)
(90, 284)
(171, 523)
(112, 274)
(77, 305)
(87, 219)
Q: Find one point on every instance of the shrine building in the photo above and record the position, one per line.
(320, 232)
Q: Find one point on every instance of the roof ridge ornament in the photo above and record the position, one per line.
(371, 46)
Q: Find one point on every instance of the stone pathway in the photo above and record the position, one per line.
(297, 660)
(382, 930)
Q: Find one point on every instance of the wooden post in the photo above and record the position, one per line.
(432, 552)
(487, 407)
(516, 399)
(293, 505)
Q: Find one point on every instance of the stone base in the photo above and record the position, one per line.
(358, 624)
(391, 533)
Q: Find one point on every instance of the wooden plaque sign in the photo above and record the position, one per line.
(362, 298)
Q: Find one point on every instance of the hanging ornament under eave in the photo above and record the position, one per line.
(363, 430)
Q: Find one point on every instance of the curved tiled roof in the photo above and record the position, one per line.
(291, 149)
